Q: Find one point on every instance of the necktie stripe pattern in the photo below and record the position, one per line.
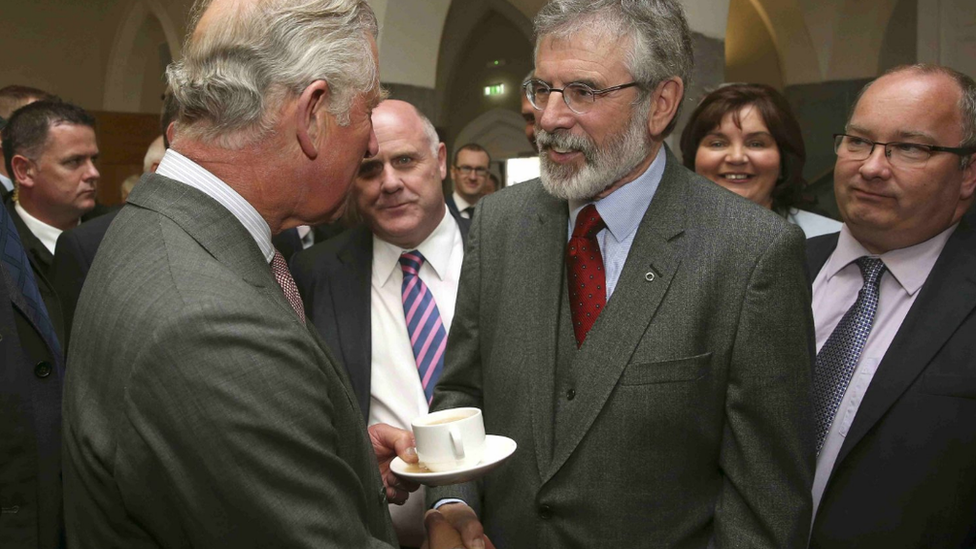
(428, 339)
(841, 352)
(586, 277)
(283, 276)
(15, 262)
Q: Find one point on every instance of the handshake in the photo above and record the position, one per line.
(447, 447)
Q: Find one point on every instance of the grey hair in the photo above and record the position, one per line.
(660, 40)
(237, 72)
(967, 100)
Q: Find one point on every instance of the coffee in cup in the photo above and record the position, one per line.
(450, 439)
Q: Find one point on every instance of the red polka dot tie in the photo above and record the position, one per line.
(584, 267)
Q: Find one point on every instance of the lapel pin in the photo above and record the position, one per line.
(649, 276)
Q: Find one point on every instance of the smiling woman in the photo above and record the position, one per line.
(745, 138)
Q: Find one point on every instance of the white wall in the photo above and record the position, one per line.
(410, 38)
(947, 34)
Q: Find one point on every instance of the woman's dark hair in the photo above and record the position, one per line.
(776, 113)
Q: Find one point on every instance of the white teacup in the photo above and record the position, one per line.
(450, 439)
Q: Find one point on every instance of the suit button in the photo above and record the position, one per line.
(571, 394)
(42, 369)
(545, 512)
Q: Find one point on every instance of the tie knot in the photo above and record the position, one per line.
(411, 262)
(588, 222)
(871, 269)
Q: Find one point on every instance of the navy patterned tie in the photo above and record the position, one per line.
(424, 325)
(14, 261)
(842, 350)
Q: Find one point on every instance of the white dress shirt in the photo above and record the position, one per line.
(176, 166)
(7, 183)
(811, 223)
(835, 289)
(47, 234)
(462, 205)
(396, 393)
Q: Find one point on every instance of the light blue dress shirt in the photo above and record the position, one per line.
(622, 212)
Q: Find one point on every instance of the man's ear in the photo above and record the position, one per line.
(23, 170)
(312, 117)
(664, 105)
(442, 160)
(969, 179)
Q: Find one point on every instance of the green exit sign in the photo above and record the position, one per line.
(495, 89)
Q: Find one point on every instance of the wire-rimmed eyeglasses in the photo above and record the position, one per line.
(852, 147)
(478, 171)
(578, 96)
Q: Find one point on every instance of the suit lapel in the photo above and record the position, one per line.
(651, 264)
(819, 249)
(40, 257)
(215, 229)
(542, 297)
(944, 302)
(349, 287)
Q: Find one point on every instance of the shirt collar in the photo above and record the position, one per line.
(909, 266)
(461, 203)
(7, 183)
(47, 234)
(176, 166)
(436, 249)
(623, 209)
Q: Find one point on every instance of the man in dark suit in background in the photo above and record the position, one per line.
(894, 301)
(199, 408)
(655, 370)
(30, 406)
(352, 285)
(49, 147)
(469, 172)
(76, 248)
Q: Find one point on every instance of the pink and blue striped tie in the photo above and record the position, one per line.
(424, 326)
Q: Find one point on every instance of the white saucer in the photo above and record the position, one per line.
(497, 450)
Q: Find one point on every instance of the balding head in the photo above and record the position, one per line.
(399, 192)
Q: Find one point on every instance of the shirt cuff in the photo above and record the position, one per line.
(445, 501)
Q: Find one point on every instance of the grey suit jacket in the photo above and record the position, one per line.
(685, 414)
(198, 411)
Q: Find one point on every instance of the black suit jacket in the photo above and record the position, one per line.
(73, 257)
(334, 281)
(906, 473)
(452, 206)
(289, 243)
(42, 261)
(30, 429)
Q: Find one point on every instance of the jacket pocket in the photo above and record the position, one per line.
(691, 368)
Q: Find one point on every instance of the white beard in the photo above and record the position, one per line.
(602, 167)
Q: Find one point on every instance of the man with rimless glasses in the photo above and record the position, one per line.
(894, 297)
(644, 335)
(470, 176)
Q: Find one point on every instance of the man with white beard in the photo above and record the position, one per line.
(643, 335)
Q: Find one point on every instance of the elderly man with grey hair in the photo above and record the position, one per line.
(643, 335)
(200, 410)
